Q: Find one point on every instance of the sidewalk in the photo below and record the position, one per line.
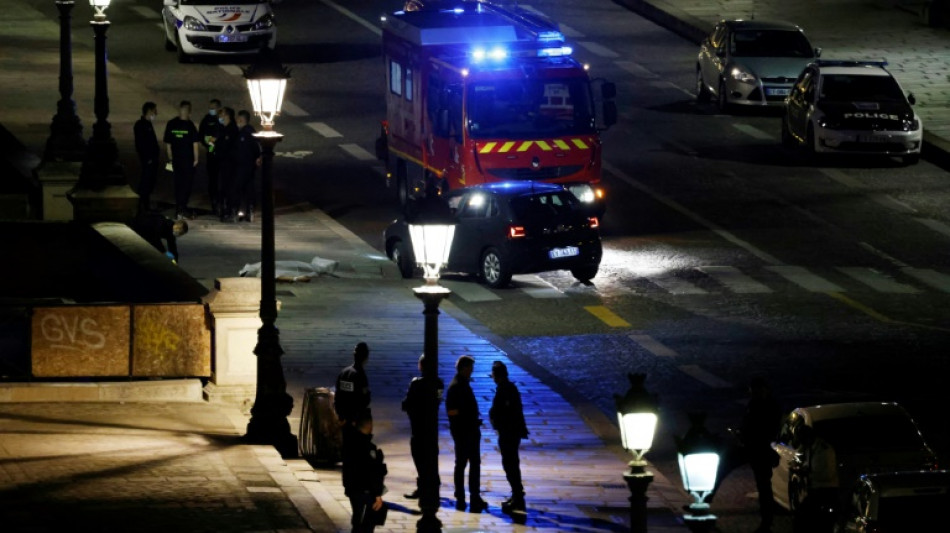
(843, 29)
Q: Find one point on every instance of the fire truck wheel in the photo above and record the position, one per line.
(401, 258)
(585, 273)
(494, 270)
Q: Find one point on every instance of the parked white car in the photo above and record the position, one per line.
(203, 27)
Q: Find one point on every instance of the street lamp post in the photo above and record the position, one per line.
(266, 82)
(431, 243)
(698, 454)
(637, 417)
(65, 141)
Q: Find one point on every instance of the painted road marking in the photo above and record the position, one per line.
(470, 292)
(841, 178)
(598, 49)
(652, 345)
(877, 280)
(697, 373)
(802, 277)
(734, 279)
(930, 277)
(293, 109)
(679, 208)
(353, 16)
(146, 12)
(637, 69)
(233, 70)
(358, 152)
(674, 285)
(885, 200)
(540, 288)
(607, 316)
(753, 132)
(323, 129)
(935, 225)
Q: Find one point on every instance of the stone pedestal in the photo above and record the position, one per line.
(112, 203)
(234, 305)
(56, 179)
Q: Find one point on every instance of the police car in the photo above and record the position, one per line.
(202, 27)
(852, 107)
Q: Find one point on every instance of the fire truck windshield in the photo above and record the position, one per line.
(524, 109)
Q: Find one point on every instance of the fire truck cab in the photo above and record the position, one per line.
(478, 93)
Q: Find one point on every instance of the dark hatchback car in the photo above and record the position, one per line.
(511, 228)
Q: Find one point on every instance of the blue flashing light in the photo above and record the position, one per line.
(550, 36)
(557, 51)
(497, 53)
(458, 11)
(478, 54)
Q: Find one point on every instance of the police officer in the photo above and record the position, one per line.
(146, 146)
(181, 144)
(507, 417)
(225, 147)
(352, 388)
(155, 228)
(364, 472)
(247, 157)
(209, 132)
(422, 405)
(465, 426)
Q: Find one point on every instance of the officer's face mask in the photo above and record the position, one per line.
(220, 120)
(150, 117)
(212, 112)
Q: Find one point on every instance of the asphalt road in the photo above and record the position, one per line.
(726, 255)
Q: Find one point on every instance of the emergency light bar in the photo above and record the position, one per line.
(497, 53)
(557, 51)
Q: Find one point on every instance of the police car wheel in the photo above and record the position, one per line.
(493, 269)
(400, 256)
(702, 92)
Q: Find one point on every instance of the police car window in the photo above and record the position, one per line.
(857, 88)
(476, 206)
(395, 77)
(408, 84)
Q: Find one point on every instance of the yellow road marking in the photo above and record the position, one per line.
(487, 148)
(854, 304)
(607, 316)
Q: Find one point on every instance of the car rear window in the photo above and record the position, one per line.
(857, 88)
(545, 205)
(870, 433)
(770, 43)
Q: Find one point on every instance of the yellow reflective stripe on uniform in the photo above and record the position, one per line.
(507, 146)
(524, 146)
(579, 143)
(544, 145)
(487, 148)
(561, 144)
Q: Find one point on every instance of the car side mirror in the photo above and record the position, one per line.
(608, 90)
(911, 98)
(817, 51)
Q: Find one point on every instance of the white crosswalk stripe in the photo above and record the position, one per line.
(323, 129)
(539, 288)
(803, 278)
(598, 49)
(469, 291)
(674, 285)
(877, 280)
(930, 277)
(733, 279)
(358, 152)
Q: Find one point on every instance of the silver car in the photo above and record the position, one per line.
(751, 62)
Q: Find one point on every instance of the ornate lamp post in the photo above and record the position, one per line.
(637, 417)
(431, 243)
(698, 453)
(266, 82)
(65, 142)
(102, 192)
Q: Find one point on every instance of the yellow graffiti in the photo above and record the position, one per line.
(155, 338)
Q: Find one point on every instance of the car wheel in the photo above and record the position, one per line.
(493, 269)
(702, 92)
(787, 140)
(912, 159)
(585, 273)
(400, 255)
(723, 97)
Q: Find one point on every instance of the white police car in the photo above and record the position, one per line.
(852, 107)
(203, 27)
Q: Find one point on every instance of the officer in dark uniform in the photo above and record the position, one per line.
(209, 131)
(507, 417)
(181, 143)
(155, 227)
(465, 425)
(352, 395)
(364, 472)
(422, 405)
(146, 146)
(247, 157)
(225, 148)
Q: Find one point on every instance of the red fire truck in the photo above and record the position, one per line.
(478, 92)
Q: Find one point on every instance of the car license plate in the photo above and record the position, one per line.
(777, 92)
(567, 251)
(873, 138)
(232, 38)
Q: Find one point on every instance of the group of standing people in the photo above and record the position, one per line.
(232, 158)
(421, 404)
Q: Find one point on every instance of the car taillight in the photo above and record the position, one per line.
(515, 232)
(594, 223)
